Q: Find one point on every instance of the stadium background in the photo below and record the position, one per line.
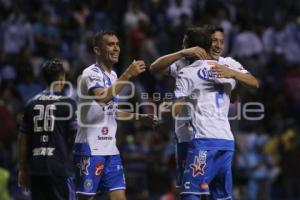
(264, 35)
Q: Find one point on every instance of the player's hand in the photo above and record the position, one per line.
(136, 68)
(149, 120)
(223, 71)
(23, 180)
(195, 52)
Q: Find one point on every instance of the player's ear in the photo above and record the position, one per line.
(97, 51)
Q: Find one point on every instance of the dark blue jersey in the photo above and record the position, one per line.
(50, 124)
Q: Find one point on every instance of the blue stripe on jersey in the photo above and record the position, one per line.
(82, 149)
(95, 69)
(213, 144)
(107, 82)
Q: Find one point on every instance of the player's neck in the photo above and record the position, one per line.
(104, 66)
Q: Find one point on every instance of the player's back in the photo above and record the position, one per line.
(211, 98)
(50, 124)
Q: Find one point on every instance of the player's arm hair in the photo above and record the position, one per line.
(23, 151)
(160, 66)
(246, 79)
(125, 116)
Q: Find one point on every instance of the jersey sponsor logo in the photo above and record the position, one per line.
(88, 184)
(199, 164)
(105, 138)
(43, 151)
(206, 74)
(99, 169)
(104, 131)
(83, 166)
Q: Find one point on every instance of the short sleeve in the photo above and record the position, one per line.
(173, 70)
(184, 86)
(94, 80)
(177, 66)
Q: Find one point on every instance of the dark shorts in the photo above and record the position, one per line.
(52, 188)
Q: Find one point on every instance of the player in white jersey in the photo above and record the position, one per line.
(98, 164)
(210, 153)
(172, 63)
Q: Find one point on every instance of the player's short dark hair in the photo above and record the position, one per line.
(212, 28)
(52, 69)
(98, 38)
(197, 36)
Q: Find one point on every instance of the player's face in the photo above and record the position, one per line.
(110, 49)
(217, 46)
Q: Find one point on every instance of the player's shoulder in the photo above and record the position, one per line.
(33, 100)
(190, 71)
(68, 100)
(92, 70)
(228, 60)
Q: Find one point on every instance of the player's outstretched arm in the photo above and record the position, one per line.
(147, 119)
(23, 175)
(224, 71)
(105, 95)
(160, 65)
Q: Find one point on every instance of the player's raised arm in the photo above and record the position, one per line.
(162, 64)
(105, 95)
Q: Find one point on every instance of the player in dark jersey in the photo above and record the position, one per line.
(45, 139)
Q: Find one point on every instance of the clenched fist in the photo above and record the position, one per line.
(135, 68)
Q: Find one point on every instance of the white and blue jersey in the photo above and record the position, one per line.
(98, 164)
(183, 131)
(209, 157)
(211, 99)
(97, 124)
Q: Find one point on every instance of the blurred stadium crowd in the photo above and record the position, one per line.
(264, 35)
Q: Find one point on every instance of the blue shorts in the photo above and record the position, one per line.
(95, 174)
(208, 172)
(181, 150)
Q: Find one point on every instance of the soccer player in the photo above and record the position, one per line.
(98, 163)
(172, 63)
(209, 159)
(45, 140)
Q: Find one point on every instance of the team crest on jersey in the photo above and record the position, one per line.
(199, 163)
(84, 166)
(99, 169)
